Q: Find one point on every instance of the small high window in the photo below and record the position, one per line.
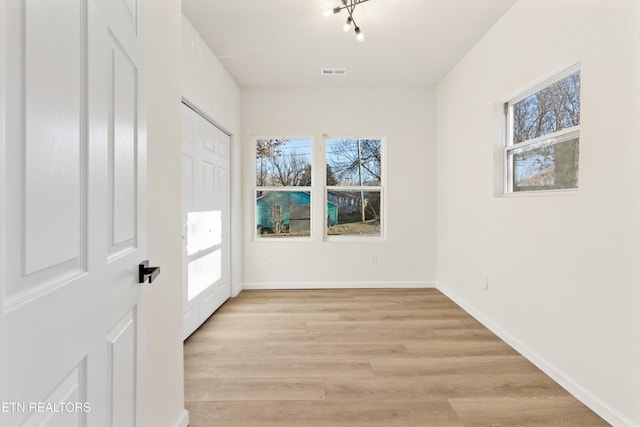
(543, 134)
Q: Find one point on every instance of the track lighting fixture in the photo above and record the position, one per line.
(349, 6)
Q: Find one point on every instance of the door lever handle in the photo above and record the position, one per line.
(145, 271)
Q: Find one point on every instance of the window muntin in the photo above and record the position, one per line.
(283, 203)
(543, 129)
(353, 201)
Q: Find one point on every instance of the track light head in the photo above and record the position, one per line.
(359, 34)
(347, 25)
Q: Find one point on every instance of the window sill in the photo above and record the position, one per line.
(540, 193)
(354, 238)
(282, 239)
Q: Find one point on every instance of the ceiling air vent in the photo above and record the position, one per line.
(334, 71)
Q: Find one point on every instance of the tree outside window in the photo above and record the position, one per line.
(354, 187)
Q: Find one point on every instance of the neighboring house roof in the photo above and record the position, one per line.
(304, 196)
(349, 195)
(278, 194)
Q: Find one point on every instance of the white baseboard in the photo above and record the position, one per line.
(339, 285)
(184, 419)
(579, 392)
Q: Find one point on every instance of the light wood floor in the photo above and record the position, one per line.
(363, 358)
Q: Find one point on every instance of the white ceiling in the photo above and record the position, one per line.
(285, 43)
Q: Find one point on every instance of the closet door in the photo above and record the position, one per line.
(205, 218)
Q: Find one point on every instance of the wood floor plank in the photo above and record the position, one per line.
(383, 325)
(441, 387)
(311, 351)
(228, 337)
(275, 368)
(268, 317)
(395, 337)
(536, 411)
(419, 313)
(464, 365)
(257, 325)
(453, 347)
(321, 414)
(309, 307)
(250, 389)
(363, 357)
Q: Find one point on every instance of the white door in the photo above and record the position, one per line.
(72, 216)
(205, 218)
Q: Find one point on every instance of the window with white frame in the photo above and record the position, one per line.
(283, 188)
(543, 134)
(353, 201)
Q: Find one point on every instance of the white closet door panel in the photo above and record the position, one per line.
(210, 302)
(208, 193)
(221, 189)
(208, 139)
(222, 144)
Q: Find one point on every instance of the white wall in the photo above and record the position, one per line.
(405, 116)
(200, 78)
(207, 86)
(161, 306)
(563, 271)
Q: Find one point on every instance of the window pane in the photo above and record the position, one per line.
(353, 213)
(354, 162)
(549, 110)
(283, 162)
(283, 213)
(545, 167)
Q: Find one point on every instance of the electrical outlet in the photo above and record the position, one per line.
(373, 259)
(486, 283)
(265, 260)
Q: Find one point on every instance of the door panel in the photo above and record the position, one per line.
(72, 217)
(122, 367)
(122, 149)
(52, 162)
(71, 389)
(205, 219)
(46, 165)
